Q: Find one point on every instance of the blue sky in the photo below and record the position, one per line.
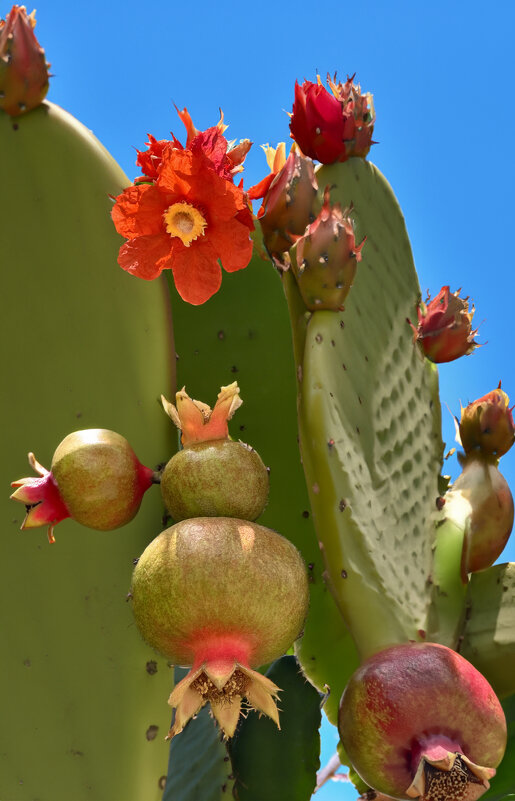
(442, 76)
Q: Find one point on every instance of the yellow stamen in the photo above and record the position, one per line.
(184, 221)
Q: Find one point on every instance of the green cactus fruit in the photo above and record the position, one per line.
(419, 721)
(484, 492)
(369, 420)
(95, 478)
(223, 596)
(90, 347)
(488, 639)
(325, 258)
(23, 66)
(288, 205)
(220, 478)
(213, 475)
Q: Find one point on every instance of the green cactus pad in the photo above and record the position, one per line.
(369, 418)
(280, 764)
(86, 346)
(199, 765)
(489, 632)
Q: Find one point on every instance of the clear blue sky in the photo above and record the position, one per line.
(442, 75)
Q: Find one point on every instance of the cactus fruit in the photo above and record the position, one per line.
(326, 258)
(487, 426)
(223, 596)
(489, 503)
(95, 478)
(419, 721)
(212, 475)
(332, 127)
(444, 330)
(23, 66)
(288, 200)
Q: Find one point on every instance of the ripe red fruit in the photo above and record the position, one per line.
(95, 478)
(332, 126)
(419, 721)
(223, 596)
(444, 329)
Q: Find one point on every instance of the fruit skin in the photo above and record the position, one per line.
(218, 576)
(220, 478)
(406, 696)
(483, 487)
(23, 66)
(487, 426)
(222, 595)
(444, 329)
(100, 478)
(326, 258)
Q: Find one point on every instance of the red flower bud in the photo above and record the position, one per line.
(332, 127)
(445, 327)
(23, 67)
(487, 425)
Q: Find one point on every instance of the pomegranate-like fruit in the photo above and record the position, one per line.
(419, 721)
(489, 501)
(213, 475)
(223, 596)
(216, 478)
(95, 478)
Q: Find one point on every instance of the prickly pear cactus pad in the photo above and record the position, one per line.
(369, 417)
(89, 347)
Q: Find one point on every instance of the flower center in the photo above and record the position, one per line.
(236, 685)
(184, 221)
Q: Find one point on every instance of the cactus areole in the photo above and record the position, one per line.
(95, 478)
(419, 721)
(223, 596)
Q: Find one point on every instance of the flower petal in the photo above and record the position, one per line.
(233, 244)
(146, 256)
(196, 273)
(227, 713)
(138, 211)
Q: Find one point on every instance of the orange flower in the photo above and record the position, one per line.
(226, 157)
(185, 221)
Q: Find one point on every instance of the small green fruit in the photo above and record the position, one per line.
(218, 478)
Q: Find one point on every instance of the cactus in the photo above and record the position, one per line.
(90, 347)
(391, 558)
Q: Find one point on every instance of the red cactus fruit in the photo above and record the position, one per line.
(326, 258)
(95, 478)
(223, 596)
(332, 126)
(444, 329)
(487, 425)
(213, 475)
(23, 67)
(289, 197)
(419, 721)
(489, 503)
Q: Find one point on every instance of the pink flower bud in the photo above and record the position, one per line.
(23, 67)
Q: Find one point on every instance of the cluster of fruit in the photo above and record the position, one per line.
(216, 591)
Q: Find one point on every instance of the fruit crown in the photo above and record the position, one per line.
(197, 421)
